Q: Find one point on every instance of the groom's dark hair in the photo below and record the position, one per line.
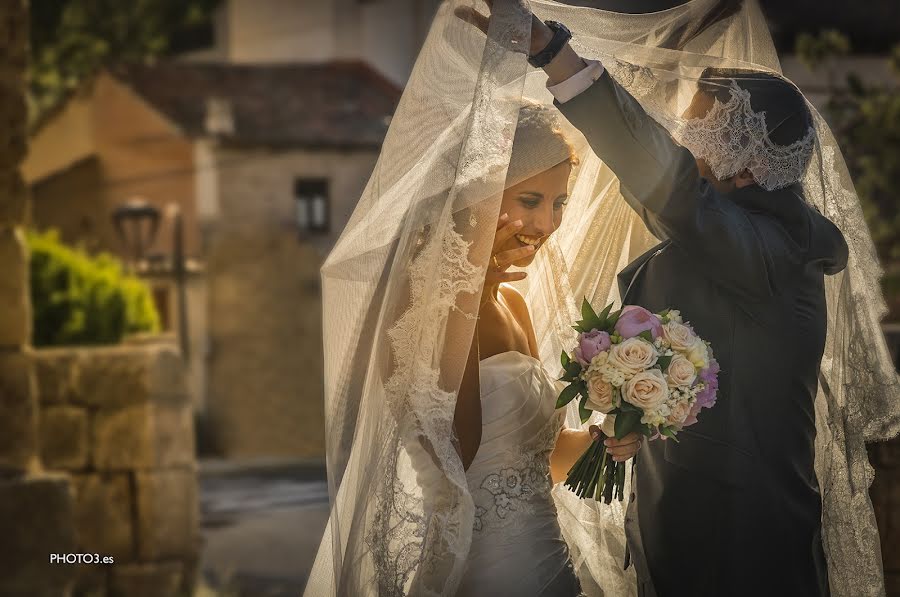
(788, 118)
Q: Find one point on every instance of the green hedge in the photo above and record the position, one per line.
(82, 299)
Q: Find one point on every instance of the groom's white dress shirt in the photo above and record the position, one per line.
(577, 83)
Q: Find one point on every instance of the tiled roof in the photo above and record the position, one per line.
(336, 104)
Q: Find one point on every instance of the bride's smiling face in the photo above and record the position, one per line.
(539, 202)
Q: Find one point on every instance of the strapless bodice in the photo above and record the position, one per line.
(517, 547)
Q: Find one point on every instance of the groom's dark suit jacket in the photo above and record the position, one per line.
(733, 508)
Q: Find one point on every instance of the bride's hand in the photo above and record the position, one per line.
(540, 32)
(620, 449)
(500, 259)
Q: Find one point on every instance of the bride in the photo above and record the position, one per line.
(508, 429)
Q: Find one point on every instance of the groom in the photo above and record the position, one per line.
(733, 508)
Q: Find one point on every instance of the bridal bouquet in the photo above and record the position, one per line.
(647, 372)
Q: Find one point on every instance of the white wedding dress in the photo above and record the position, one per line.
(517, 547)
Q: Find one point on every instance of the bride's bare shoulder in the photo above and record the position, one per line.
(516, 303)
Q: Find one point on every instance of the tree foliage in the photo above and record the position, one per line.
(78, 299)
(71, 39)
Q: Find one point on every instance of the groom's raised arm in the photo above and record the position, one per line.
(752, 253)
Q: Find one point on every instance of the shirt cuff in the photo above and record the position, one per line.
(578, 82)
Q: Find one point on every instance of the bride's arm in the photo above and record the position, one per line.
(571, 444)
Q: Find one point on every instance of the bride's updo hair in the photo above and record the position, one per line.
(540, 143)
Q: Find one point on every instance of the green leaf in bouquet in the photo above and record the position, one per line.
(568, 394)
(664, 362)
(613, 319)
(603, 318)
(587, 311)
(564, 359)
(627, 422)
(664, 312)
(646, 335)
(645, 430)
(573, 370)
(584, 413)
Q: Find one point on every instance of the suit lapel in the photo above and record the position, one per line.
(628, 276)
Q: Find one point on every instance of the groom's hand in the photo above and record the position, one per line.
(540, 32)
(567, 62)
(620, 449)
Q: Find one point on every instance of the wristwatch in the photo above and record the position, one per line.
(561, 35)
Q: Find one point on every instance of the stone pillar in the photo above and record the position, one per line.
(35, 507)
(118, 419)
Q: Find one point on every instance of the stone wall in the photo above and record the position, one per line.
(119, 421)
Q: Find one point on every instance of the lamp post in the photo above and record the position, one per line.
(179, 270)
(137, 222)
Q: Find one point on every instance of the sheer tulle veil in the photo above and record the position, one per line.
(402, 285)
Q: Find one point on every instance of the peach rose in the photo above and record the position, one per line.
(646, 390)
(681, 372)
(679, 413)
(600, 395)
(633, 355)
(680, 336)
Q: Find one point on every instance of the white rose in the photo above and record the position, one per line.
(679, 412)
(698, 354)
(675, 315)
(680, 336)
(633, 355)
(600, 395)
(646, 390)
(681, 372)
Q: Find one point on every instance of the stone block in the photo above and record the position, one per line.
(143, 436)
(36, 521)
(18, 412)
(168, 514)
(124, 375)
(122, 438)
(15, 306)
(57, 374)
(173, 435)
(63, 433)
(92, 580)
(103, 515)
(157, 579)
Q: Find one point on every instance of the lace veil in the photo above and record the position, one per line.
(401, 288)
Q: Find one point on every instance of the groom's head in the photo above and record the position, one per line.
(743, 125)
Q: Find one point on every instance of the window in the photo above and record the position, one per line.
(312, 206)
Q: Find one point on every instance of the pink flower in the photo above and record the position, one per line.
(590, 344)
(634, 320)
